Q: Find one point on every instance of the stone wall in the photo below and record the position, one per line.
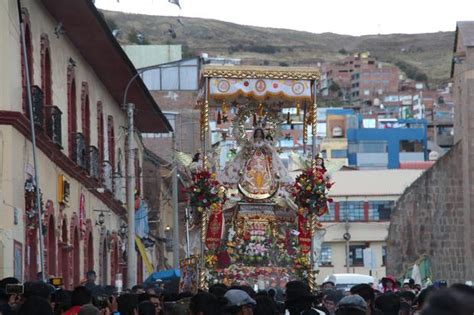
(429, 220)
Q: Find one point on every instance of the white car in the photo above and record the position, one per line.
(345, 281)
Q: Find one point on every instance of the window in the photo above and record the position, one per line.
(325, 258)
(85, 114)
(100, 135)
(71, 110)
(356, 255)
(111, 140)
(338, 154)
(384, 255)
(46, 81)
(29, 58)
(380, 210)
(411, 146)
(330, 215)
(353, 210)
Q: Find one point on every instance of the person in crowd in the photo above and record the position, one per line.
(388, 303)
(128, 304)
(368, 294)
(91, 277)
(88, 309)
(8, 302)
(389, 284)
(181, 305)
(265, 306)
(407, 297)
(239, 302)
(205, 304)
(62, 301)
(272, 293)
(147, 308)
(422, 298)
(80, 296)
(351, 305)
(458, 299)
(35, 305)
(153, 299)
(330, 299)
(299, 300)
(328, 285)
(138, 289)
(218, 290)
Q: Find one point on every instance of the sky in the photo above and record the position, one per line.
(349, 17)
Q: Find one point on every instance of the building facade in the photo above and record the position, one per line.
(363, 212)
(81, 148)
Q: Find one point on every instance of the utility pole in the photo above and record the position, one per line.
(175, 206)
(131, 253)
(33, 142)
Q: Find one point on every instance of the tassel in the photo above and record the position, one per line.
(260, 110)
(254, 119)
(288, 119)
(298, 110)
(219, 119)
(224, 108)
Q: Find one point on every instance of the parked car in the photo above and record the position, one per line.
(345, 281)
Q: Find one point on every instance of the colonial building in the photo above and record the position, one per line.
(78, 76)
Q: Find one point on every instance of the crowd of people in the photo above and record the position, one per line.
(296, 299)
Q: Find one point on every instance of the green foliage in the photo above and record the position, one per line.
(284, 64)
(411, 71)
(342, 51)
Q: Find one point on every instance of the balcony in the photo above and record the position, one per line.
(93, 162)
(80, 154)
(38, 104)
(53, 124)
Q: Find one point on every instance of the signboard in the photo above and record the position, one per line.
(369, 259)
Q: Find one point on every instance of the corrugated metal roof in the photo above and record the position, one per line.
(372, 182)
(466, 31)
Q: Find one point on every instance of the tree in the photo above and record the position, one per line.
(342, 51)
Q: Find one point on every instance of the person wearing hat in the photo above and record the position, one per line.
(239, 302)
(351, 305)
(299, 300)
(389, 284)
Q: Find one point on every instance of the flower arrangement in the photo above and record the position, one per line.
(311, 190)
(204, 191)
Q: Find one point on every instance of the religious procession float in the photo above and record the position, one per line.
(255, 216)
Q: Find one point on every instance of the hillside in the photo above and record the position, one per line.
(431, 52)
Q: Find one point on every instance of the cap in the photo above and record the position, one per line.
(353, 301)
(238, 298)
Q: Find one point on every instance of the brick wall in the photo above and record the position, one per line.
(429, 220)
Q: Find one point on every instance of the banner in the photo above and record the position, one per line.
(214, 228)
(260, 87)
(304, 236)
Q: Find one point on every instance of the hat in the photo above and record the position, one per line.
(238, 298)
(297, 290)
(352, 301)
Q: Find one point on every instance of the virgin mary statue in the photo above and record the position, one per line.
(257, 170)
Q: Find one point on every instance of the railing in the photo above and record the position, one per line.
(53, 124)
(93, 162)
(38, 104)
(80, 155)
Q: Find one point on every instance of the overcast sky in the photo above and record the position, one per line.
(338, 16)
